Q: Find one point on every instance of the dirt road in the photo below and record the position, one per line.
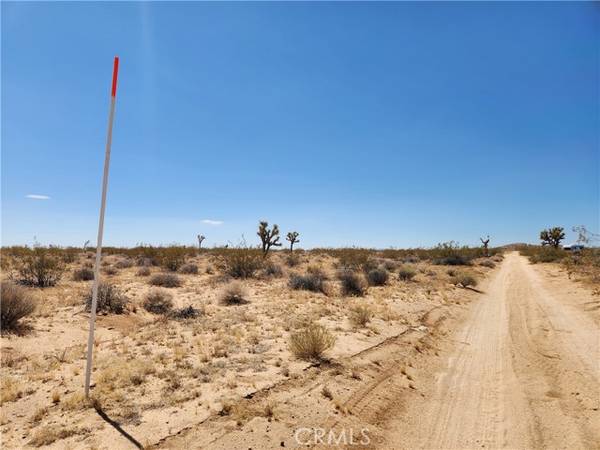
(524, 372)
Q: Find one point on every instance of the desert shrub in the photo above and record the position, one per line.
(83, 274)
(110, 299)
(356, 258)
(543, 254)
(406, 273)
(360, 316)
(273, 270)
(292, 260)
(143, 261)
(487, 263)
(465, 280)
(158, 301)
(188, 312)
(189, 269)
(353, 284)
(233, 294)
(124, 263)
(16, 303)
(172, 258)
(168, 280)
(389, 265)
(377, 277)
(143, 271)
(313, 280)
(110, 270)
(40, 268)
(311, 342)
(451, 254)
(241, 262)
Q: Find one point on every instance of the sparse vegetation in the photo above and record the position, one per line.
(110, 299)
(189, 269)
(83, 274)
(360, 316)
(143, 271)
(377, 277)
(233, 294)
(167, 280)
(313, 280)
(353, 284)
(406, 273)
(311, 342)
(172, 258)
(241, 262)
(17, 303)
(464, 279)
(158, 301)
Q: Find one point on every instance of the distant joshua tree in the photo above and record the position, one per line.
(268, 238)
(552, 236)
(485, 243)
(292, 237)
(200, 239)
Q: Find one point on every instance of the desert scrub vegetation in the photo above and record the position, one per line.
(377, 277)
(17, 303)
(314, 281)
(451, 254)
(268, 237)
(542, 253)
(311, 342)
(233, 293)
(487, 263)
(273, 270)
(83, 274)
(167, 280)
(143, 271)
(158, 301)
(406, 273)
(464, 279)
(360, 316)
(240, 262)
(353, 283)
(172, 258)
(110, 299)
(40, 267)
(189, 269)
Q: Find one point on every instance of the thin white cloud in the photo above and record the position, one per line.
(37, 197)
(212, 222)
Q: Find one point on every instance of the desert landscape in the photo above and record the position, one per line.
(449, 347)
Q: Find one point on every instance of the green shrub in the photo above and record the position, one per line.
(311, 342)
(168, 280)
(158, 301)
(353, 284)
(377, 277)
(110, 299)
(40, 268)
(16, 303)
(406, 273)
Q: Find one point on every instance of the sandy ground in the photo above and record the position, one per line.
(159, 382)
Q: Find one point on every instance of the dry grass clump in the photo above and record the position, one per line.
(273, 270)
(143, 271)
(487, 263)
(292, 260)
(313, 280)
(464, 279)
(241, 262)
(311, 342)
(83, 274)
(124, 263)
(10, 390)
(110, 270)
(353, 284)
(110, 299)
(377, 277)
(406, 273)
(168, 280)
(40, 268)
(360, 316)
(158, 301)
(189, 269)
(17, 303)
(52, 433)
(233, 294)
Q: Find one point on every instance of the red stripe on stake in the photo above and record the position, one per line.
(115, 75)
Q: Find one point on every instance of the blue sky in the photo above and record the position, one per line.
(381, 124)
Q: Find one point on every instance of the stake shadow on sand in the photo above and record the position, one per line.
(117, 427)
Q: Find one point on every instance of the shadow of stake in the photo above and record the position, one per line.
(118, 427)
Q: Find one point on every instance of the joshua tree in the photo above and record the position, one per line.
(292, 237)
(268, 238)
(552, 236)
(200, 239)
(485, 243)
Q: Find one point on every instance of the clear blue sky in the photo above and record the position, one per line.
(382, 124)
